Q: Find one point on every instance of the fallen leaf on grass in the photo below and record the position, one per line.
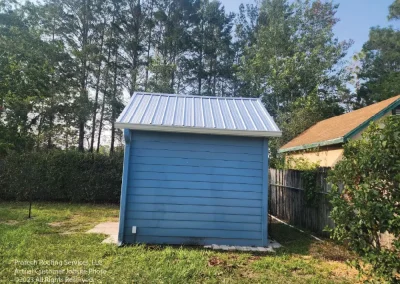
(215, 261)
(254, 258)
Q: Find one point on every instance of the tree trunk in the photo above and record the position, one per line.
(104, 100)
(200, 67)
(200, 71)
(96, 99)
(113, 112)
(30, 209)
(135, 47)
(148, 48)
(83, 80)
(101, 118)
(51, 124)
(39, 133)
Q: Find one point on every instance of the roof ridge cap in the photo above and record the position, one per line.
(193, 96)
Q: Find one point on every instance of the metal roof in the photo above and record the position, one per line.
(198, 114)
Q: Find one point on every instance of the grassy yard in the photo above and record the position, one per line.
(56, 235)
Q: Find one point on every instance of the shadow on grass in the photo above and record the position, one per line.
(296, 242)
(292, 240)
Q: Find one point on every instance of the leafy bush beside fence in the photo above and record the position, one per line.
(368, 202)
(61, 176)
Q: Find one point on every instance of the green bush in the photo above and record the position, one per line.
(367, 202)
(61, 176)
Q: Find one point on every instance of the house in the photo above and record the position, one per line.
(323, 142)
(195, 170)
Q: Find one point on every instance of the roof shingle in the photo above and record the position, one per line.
(338, 126)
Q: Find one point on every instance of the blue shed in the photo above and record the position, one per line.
(195, 170)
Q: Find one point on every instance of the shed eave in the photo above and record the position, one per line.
(198, 130)
(313, 145)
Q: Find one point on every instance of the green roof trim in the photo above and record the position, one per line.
(346, 137)
(377, 116)
(313, 145)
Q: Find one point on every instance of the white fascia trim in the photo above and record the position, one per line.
(198, 130)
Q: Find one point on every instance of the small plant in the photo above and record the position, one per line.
(309, 171)
(301, 164)
(366, 199)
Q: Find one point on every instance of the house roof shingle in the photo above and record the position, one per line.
(331, 130)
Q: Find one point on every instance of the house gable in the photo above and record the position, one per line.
(339, 129)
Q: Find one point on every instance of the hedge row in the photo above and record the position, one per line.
(61, 176)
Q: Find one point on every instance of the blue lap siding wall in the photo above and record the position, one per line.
(194, 189)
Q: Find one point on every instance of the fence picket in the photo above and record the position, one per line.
(287, 200)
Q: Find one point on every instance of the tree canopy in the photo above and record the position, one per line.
(68, 67)
(379, 73)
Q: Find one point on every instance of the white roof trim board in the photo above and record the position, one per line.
(198, 114)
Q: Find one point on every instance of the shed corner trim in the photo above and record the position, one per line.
(265, 190)
(124, 186)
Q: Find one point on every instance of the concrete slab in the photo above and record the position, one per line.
(107, 228)
(272, 245)
(111, 229)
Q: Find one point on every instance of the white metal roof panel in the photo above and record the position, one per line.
(197, 114)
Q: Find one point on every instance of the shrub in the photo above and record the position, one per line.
(61, 176)
(367, 202)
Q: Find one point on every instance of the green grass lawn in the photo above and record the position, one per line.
(56, 235)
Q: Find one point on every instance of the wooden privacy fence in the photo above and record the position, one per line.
(287, 200)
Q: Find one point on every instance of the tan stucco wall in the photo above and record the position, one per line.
(325, 156)
(358, 134)
(328, 156)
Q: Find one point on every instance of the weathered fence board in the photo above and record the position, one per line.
(287, 200)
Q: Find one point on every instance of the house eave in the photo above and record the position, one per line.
(313, 145)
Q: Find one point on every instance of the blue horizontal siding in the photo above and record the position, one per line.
(196, 154)
(179, 208)
(195, 162)
(195, 185)
(174, 146)
(192, 240)
(188, 192)
(183, 169)
(188, 138)
(205, 225)
(197, 233)
(196, 178)
(155, 199)
(185, 188)
(139, 215)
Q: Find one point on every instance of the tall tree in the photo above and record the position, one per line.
(29, 73)
(295, 53)
(173, 20)
(78, 34)
(131, 22)
(245, 34)
(212, 51)
(379, 74)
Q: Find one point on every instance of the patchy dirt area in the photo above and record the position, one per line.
(77, 223)
(10, 222)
